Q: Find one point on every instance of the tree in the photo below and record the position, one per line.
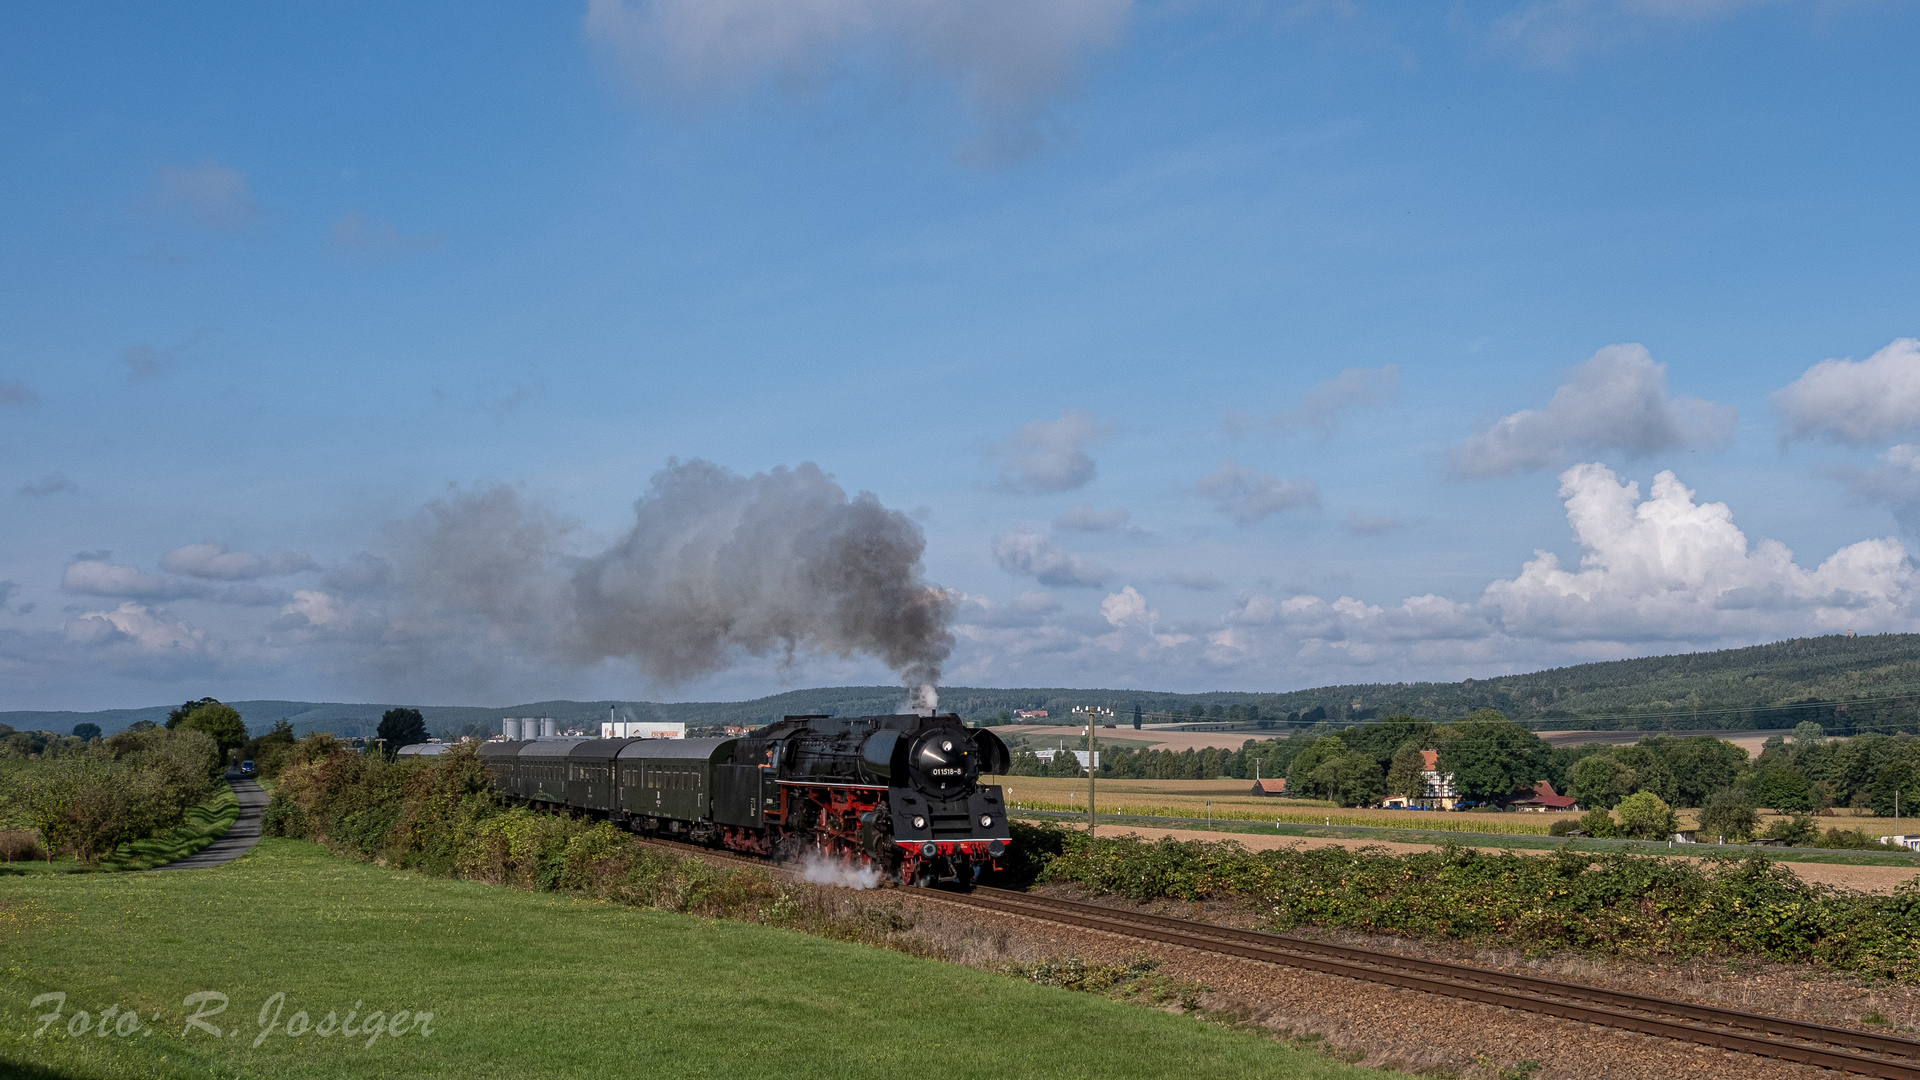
(1808, 733)
(1384, 738)
(1136, 716)
(1646, 816)
(1729, 816)
(402, 727)
(1492, 757)
(87, 732)
(1704, 765)
(220, 722)
(1782, 789)
(1599, 781)
(1406, 777)
(1322, 750)
(1350, 779)
(176, 716)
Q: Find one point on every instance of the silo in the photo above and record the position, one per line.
(510, 727)
(549, 727)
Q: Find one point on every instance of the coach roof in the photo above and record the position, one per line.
(680, 749)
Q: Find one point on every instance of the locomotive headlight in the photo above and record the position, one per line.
(947, 746)
(986, 821)
(919, 822)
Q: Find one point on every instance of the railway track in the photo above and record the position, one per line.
(1820, 1045)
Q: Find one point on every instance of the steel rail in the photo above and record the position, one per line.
(1479, 984)
(1772, 1025)
(1551, 997)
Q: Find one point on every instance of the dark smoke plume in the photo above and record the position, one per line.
(778, 562)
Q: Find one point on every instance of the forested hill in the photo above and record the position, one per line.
(1877, 678)
(1845, 684)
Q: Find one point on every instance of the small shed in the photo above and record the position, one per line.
(1269, 787)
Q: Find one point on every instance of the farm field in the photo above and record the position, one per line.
(1189, 798)
(522, 984)
(1041, 736)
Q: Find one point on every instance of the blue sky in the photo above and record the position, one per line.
(1354, 310)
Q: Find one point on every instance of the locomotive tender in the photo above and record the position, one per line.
(901, 794)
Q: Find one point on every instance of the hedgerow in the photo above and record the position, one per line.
(1614, 904)
(439, 816)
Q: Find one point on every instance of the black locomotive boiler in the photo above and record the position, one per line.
(900, 794)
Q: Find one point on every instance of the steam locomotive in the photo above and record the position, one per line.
(900, 794)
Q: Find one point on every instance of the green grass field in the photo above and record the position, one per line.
(527, 984)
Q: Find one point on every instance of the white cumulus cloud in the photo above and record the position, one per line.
(138, 626)
(1852, 401)
(1669, 568)
(1616, 400)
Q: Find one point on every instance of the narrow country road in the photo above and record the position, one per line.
(240, 838)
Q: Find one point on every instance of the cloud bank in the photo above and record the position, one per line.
(1656, 572)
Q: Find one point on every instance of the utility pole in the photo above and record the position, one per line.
(1094, 712)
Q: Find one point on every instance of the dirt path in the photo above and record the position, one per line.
(1869, 879)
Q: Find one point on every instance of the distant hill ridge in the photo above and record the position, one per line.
(1845, 683)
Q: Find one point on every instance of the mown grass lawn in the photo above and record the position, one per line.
(531, 985)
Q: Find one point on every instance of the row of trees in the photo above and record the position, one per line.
(90, 800)
(1492, 759)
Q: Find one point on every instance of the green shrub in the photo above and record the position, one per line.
(1614, 903)
(1796, 830)
(1646, 816)
(1854, 840)
(1598, 822)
